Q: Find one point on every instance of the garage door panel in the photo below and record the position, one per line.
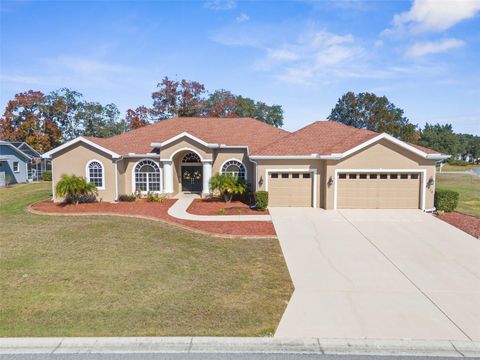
(378, 191)
(291, 191)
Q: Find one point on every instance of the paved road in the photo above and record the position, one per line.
(215, 356)
(384, 274)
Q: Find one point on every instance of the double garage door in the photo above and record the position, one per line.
(378, 190)
(290, 189)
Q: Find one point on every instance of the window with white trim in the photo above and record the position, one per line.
(95, 173)
(16, 167)
(147, 176)
(234, 168)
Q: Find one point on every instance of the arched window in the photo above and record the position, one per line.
(147, 176)
(191, 157)
(95, 174)
(234, 168)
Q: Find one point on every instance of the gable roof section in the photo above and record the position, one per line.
(331, 139)
(220, 131)
(83, 139)
(17, 150)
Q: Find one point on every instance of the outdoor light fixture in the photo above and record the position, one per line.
(430, 182)
(330, 181)
(260, 182)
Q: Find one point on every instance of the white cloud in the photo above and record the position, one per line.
(85, 65)
(242, 18)
(220, 4)
(435, 15)
(20, 79)
(420, 49)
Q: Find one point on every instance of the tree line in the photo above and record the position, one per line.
(45, 121)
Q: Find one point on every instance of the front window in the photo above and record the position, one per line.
(234, 168)
(16, 168)
(95, 173)
(147, 176)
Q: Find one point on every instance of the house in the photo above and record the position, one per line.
(13, 164)
(325, 164)
(37, 165)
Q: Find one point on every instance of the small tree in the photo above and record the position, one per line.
(227, 185)
(75, 189)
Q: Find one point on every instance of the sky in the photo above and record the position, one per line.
(424, 55)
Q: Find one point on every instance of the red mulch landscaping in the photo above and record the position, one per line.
(159, 211)
(467, 223)
(214, 207)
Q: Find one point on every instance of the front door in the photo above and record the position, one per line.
(192, 178)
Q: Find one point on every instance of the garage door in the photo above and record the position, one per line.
(290, 189)
(378, 191)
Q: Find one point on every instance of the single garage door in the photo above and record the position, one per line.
(378, 191)
(290, 189)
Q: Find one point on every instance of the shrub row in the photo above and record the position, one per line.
(126, 197)
(47, 176)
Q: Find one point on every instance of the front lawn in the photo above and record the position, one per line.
(468, 186)
(448, 167)
(113, 276)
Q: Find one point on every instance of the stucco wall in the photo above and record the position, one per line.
(223, 155)
(74, 161)
(381, 155)
(264, 165)
(185, 143)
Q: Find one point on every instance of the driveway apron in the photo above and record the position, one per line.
(371, 274)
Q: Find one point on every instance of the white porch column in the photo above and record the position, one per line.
(207, 174)
(167, 177)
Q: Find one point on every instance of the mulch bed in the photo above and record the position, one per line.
(143, 208)
(467, 223)
(215, 206)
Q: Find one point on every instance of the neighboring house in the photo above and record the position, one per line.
(13, 164)
(37, 165)
(325, 164)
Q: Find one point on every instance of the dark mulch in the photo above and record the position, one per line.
(143, 208)
(214, 206)
(467, 223)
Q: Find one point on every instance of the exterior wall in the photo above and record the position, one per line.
(381, 155)
(223, 155)
(74, 161)
(264, 165)
(125, 172)
(9, 156)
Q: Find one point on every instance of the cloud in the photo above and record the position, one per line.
(242, 18)
(435, 15)
(20, 79)
(220, 4)
(85, 65)
(420, 49)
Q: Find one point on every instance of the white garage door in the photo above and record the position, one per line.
(378, 190)
(290, 189)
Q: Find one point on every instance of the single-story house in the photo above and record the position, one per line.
(325, 164)
(13, 164)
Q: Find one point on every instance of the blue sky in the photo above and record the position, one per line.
(423, 55)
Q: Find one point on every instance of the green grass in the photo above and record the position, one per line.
(447, 167)
(111, 276)
(468, 186)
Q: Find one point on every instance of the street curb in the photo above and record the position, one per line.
(118, 345)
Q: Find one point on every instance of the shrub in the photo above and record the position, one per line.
(47, 176)
(154, 197)
(75, 189)
(261, 200)
(126, 197)
(446, 200)
(227, 185)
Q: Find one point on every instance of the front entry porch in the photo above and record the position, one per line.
(187, 172)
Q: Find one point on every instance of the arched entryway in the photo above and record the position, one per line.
(191, 172)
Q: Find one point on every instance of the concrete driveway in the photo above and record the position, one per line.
(384, 274)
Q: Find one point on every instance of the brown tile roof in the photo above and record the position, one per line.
(320, 137)
(229, 131)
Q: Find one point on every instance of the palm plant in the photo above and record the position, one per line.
(227, 185)
(75, 189)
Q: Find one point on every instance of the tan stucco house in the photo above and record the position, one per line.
(325, 164)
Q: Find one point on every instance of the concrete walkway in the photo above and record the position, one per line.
(179, 211)
(385, 274)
